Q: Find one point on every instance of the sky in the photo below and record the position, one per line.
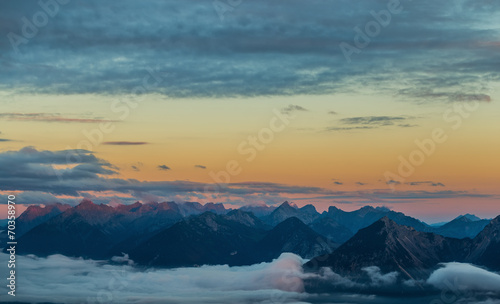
(383, 103)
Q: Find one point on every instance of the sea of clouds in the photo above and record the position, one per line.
(61, 279)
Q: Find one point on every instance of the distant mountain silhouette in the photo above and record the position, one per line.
(368, 215)
(331, 229)
(339, 226)
(91, 230)
(259, 211)
(247, 219)
(292, 235)
(462, 227)
(35, 215)
(470, 217)
(306, 214)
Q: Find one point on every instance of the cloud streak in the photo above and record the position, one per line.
(47, 117)
(125, 143)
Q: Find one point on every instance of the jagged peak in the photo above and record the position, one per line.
(309, 207)
(333, 209)
(385, 223)
(383, 208)
(287, 205)
(367, 207)
(469, 217)
(86, 202)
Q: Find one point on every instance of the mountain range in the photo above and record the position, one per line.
(169, 234)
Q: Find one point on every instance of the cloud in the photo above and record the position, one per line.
(472, 97)
(48, 117)
(373, 120)
(348, 128)
(200, 166)
(460, 276)
(446, 96)
(77, 280)
(393, 182)
(123, 259)
(125, 143)
(137, 166)
(360, 183)
(297, 53)
(37, 198)
(379, 279)
(4, 140)
(78, 172)
(163, 168)
(337, 181)
(293, 108)
(429, 183)
(333, 113)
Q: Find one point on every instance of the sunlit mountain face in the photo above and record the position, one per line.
(237, 151)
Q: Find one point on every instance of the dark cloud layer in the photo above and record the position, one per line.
(76, 173)
(433, 50)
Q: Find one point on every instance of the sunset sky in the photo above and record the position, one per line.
(180, 87)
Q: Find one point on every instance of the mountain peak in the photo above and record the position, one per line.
(86, 203)
(389, 225)
(368, 207)
(285, 204)
(309, 208)
(468, 216)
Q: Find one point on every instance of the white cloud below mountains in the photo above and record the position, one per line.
(62, 279)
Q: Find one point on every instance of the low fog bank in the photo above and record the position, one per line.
(60, 279)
